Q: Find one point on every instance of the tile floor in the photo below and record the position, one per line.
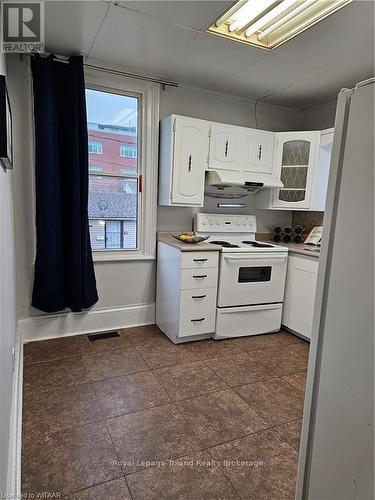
(137, 417)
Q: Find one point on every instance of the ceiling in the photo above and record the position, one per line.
(168, 39)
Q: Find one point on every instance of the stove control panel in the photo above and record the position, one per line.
(221, 223)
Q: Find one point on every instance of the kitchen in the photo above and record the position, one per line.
(195, 349)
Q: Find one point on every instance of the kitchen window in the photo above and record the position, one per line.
(122, 116)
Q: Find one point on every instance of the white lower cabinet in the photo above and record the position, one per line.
(186, 293)
(299, 299)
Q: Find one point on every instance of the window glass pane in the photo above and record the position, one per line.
(112, 121)
(95, 147)
(113, 212)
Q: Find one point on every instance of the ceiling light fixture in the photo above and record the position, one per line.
(269, 23)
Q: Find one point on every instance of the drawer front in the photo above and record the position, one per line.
(197, 300)
(248, 320)
(199, 278)
(197, 260)
(197, 324)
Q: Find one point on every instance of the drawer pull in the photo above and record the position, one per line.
(199, 296)
(197, 320)
(199, 276)
(200, 260)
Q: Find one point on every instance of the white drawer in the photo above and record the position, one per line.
(248, 320)
(197, 300)
(196, 260)
(197, 324)
(199, 278)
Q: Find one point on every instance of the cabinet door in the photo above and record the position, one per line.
(300, 294)
(226, 147)
(258, 151)
(296, 158)
(190, 153)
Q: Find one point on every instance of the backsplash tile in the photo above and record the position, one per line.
(307, 219)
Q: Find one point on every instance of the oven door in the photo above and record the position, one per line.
(248, 279)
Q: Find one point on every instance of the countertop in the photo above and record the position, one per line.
(299, 248)
(165, 237)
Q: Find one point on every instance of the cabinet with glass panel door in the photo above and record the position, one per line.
(302, 161)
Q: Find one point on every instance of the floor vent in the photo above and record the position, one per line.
(102, 336)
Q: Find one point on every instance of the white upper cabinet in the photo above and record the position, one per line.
(301, 162)
(295, 159)
(226, 147)
(183, 159)
(258, 151)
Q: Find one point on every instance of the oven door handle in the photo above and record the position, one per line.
(256, 257)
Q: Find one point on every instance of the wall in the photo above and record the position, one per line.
(320, 117)
(7, 311)
(121, 284)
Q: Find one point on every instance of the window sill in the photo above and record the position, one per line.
(118, 256)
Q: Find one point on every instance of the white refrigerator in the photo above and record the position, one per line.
(336, 456)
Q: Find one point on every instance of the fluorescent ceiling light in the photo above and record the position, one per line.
(269, 23)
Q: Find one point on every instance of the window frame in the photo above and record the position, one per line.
(147, 154)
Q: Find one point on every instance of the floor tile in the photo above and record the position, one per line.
(112, 490)
(54, 375)
(257, 342)
(239, 369)
(49, 350)
(274, 400)
(106, 364)
(220, 417)
(302, 349)
(87, 345)
(148, 335)
(196, 477)
(286, 339)
(129, 393)
(166, 355)
(297, 380)
(291, 433)
(186, 381)
(282, 361)
(57, 410)
(150, 435)
(206, 349)
(268, 469)
(70, 460)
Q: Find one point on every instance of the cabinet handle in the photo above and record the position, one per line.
(189, 167)
(199, 296)
(197, 320)
(199, 276)
(226, 149)
(260, 152)
(200, 260)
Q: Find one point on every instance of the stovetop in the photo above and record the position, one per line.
(244, 245)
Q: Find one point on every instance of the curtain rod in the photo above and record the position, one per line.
(136, 76)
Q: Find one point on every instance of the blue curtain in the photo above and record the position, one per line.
(64, 272)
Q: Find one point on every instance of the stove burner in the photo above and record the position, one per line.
(257, 244)
(225, 244)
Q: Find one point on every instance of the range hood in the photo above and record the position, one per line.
(231, 183)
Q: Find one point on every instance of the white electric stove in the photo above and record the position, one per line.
(251, 276)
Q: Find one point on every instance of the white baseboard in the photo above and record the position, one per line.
(52, 326)
(14, 460)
